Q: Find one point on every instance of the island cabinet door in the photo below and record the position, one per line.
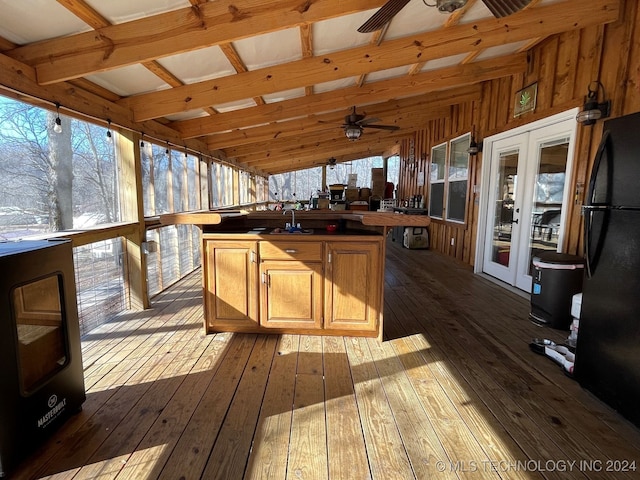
(291, 295)
(231, 285)
(353, 276)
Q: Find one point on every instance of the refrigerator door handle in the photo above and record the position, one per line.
(597, 163)
(587, 212)
(589, 208)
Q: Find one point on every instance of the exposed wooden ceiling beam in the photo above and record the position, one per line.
(90, 16)
(305, 158)
(544, 20)
(283, 144)
(311, 144)
(289, 165)
(404, 115)
(169, 33)
(237, 64)
(438, 82)
(306, 44)
(17, 76)
(85, 12)
(6, 44)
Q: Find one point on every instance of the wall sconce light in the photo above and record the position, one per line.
(57, 126)
(592, 110)
(353, 132)
(474, 147)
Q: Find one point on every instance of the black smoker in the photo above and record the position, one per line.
(41, 379)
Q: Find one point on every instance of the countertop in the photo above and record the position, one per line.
(381, 219)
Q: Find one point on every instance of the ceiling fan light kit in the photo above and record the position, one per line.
(353, 132)
(354, 123)
(448, 6)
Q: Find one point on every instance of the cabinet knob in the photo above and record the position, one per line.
(290, 250)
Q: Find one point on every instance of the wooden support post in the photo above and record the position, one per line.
(132, 210)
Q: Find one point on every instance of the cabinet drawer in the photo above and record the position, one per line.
(306, 251)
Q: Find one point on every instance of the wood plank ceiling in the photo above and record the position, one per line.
(267, 83)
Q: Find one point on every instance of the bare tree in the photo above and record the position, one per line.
(59, 174)
(52, 175)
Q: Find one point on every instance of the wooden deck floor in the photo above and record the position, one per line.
(453, 392)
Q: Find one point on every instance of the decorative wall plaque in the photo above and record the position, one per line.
(526, 100)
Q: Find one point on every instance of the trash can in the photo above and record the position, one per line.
(556, 278)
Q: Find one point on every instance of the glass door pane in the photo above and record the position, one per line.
(506, 183)
(548, 196)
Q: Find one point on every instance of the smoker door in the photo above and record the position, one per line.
(42, 347)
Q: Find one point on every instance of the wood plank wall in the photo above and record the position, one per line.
(563, 66)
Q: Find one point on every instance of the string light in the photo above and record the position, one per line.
(57, 127)
(109, 137)
(99, 120)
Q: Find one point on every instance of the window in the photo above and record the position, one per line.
(53, 181)
(448, 180)
(437, 180)
(458, 178)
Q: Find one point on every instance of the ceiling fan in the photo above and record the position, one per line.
(355, 122)
(499, 9)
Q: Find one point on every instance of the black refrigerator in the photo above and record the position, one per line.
(608, 349)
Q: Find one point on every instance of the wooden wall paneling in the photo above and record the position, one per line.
(422, 158)
(533, 71)
(547, 73)
(588, 63)
(488, 100)
(459, 234)
(632, 93)
(587, 69)
(617, 48)
(564, 82)
(472, 210)
(604, 50)
(504, 103)
(563, 66)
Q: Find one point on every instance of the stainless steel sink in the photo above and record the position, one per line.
(292, 231)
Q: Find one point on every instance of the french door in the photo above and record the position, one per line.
(528, 190)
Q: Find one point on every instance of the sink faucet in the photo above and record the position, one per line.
(293, 217)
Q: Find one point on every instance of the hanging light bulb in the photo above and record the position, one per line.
(109, 137)
(167, 150)
(142, 140)
(57, 127)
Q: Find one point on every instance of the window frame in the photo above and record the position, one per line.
(463, 140)
(438, 181)
(448, 180)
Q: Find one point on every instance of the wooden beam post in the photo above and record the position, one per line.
(132, 210)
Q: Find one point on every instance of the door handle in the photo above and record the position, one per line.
(514, 221)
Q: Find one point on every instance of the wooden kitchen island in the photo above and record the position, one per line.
(259, 278)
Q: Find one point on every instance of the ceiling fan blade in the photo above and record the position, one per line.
(382, 16)
(382, 127)
(366, 121)
(502, 8)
